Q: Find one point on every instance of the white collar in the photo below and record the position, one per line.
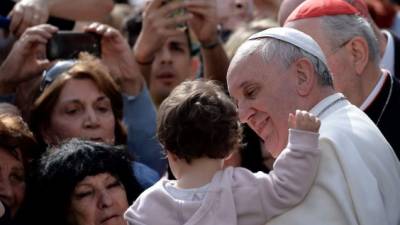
(372, 95)
(326, 103)
(387, 61)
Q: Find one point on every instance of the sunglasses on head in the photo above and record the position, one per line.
(57, 69)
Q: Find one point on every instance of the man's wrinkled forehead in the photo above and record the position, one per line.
(246, 61)
(247, 49)
(240, 60)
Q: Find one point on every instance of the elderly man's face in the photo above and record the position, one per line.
(337, 56)
(265, 95)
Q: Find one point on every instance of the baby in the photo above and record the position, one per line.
(198, 126)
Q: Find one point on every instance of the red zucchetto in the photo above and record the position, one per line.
(317, 8)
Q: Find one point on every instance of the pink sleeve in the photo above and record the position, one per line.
(293, 174)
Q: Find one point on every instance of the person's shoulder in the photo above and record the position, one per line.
(342, 119)
(239, 176)
(154, 193)
(157, 190)
(152, 204)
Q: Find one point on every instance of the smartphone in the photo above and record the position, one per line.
(5, 22)
(68, 45)
(178, 12)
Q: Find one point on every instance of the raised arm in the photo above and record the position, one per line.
(91, 10)
(295, 168)
(139, 110)
(204, 25)
(117, 56)
(27, 13)
(26, 59)
(157, 26)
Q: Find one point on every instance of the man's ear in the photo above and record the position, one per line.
(358, 51)
(305, 76)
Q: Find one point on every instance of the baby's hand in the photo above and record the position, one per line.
(304, 120)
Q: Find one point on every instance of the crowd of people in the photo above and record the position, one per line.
(200, 112)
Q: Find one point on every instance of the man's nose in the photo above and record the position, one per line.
(244, 112)
(166, 57)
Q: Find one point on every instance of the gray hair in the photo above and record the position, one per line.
(287, 54)
(341, 28)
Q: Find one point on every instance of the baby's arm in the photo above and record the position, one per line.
(296, 166)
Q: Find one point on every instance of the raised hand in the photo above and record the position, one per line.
(204, 23)
(27, 57)
(117, 56)
(158, 25)
(304, 120)
(28, 13)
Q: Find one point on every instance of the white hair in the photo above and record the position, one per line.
(273, 50)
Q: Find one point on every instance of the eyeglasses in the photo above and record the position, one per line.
(48, 76)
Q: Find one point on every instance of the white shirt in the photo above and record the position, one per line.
(193, 194)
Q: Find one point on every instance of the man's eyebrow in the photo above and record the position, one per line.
(245, 83)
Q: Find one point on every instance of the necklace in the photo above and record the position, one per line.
(330, 105)
(387, 100)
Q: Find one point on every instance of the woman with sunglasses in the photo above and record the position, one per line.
(81, 99)
(26, 61)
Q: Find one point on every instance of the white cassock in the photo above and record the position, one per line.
(358, 180)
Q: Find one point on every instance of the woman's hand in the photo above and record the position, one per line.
(117, 56)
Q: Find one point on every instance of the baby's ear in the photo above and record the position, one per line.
(172, 156)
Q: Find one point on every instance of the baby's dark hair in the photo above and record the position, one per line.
(198, 120)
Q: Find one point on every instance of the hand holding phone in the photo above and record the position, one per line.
(177, 13)
(117, 55)
(68, 45)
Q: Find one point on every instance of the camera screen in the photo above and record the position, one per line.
(68, 45)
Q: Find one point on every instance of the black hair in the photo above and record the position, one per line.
(62, 168)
